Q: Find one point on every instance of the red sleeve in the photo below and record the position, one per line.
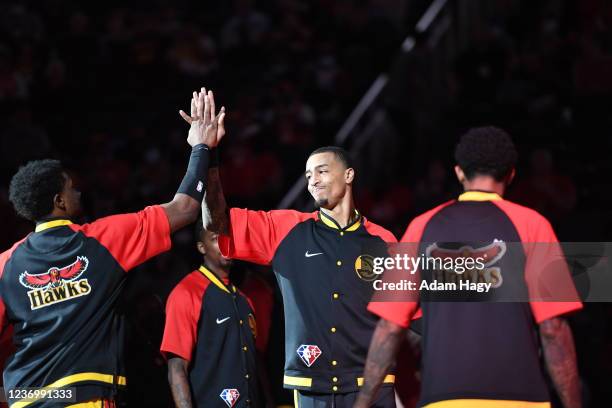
(132, 238)
(183, 311)
(379, 231)
(255, 235)
(546, 271)
(402, 312)
(415, 229)
(4, 257)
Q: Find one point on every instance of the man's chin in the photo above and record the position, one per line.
(322, 202)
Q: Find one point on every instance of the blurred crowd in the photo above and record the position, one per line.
(99, 86)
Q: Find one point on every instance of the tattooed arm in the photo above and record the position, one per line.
(179, 383)
(383, 349)
(214, 207)
(560, 356)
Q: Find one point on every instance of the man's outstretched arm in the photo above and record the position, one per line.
(205, 132)
(383, 350)
(214, 207)
(560, 357)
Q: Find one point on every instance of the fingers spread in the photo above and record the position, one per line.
(185, 116)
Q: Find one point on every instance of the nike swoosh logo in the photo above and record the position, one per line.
(307, 255)
(222, 320)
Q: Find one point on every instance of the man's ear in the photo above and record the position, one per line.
(511, 176)
(59, 202)
(201, 247)
(460, 174)
(349, 175)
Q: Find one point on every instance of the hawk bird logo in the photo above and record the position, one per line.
(490, 253)
(55, 276)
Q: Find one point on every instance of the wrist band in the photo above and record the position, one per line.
(194, 182)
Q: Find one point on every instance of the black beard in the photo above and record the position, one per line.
(322, 202)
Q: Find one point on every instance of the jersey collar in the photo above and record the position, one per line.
(330, 222)
(211, 276)
(51, 224)
(475, 195)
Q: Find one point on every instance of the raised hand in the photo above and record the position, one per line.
(205, 126)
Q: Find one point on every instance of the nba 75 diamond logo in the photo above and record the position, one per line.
(309, 353)
(230, 396)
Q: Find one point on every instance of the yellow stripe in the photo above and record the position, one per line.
(211, 276)
(295, 398)
(484, 403)
(75, 378)
(51, 224)
(354, 226)
(297, 381)
(389, 379)
(479, 196)
(330, 222)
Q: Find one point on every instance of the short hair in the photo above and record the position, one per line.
(34, 187)
(339, 152)
(486, 151)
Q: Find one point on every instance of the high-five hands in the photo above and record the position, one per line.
(205, 126)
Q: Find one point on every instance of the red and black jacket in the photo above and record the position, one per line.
(59, 287)
(325, 290)
(483, 351)
(211, 325)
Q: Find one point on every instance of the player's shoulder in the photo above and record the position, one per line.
(424, 218)
(379, 231)
(6, 255)
(293, 215)
(519, 213)
(284, 216)
(193, 285)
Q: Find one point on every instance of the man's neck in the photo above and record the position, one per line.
(222, 273)
(487, 184)
(344, 213)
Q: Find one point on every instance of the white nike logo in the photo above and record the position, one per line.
(222, 320)
(307, 255)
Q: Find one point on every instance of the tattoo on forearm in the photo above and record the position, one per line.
(560, 357)
(214, 207)
(384, 347)
(179, 384)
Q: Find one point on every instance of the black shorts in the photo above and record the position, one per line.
(305, 399)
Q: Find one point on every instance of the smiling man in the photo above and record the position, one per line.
(317, 259)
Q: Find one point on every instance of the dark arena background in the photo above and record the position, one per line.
(99, 85)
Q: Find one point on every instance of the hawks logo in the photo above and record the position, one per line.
(364, 267)
(230, 396)
(57, 284)
(491, 254)
(309, 353)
